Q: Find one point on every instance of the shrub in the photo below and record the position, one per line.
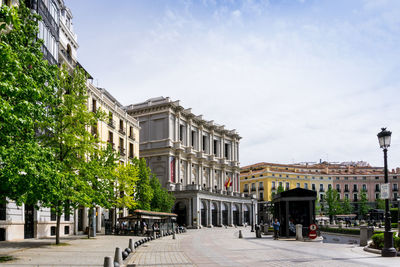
(378, 241)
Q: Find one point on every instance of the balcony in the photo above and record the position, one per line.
(321, 190)
(355, 189)
(261, 188)
(338, 190)
(253, 189)
(111, 124)
(223, 161)
(201, 155)
(131, 137)
(178, 146)
(122, 130)
(395, 189)
(130, 156)
(190, 151)
(346, 190)
(377, 189)
(121, 151)
(365, 190)
(212, 158)
(48, 56)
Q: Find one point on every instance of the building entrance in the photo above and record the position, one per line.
(224, 214)
(29, 229)
(246, 214)
(203, 214)
(180, 210)
(235, 215)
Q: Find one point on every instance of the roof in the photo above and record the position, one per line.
(296, 193)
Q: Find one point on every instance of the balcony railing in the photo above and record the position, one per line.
(121, 151)
(355, 189)
(253, 189)
(346, 190)
(111, 124)
(273, 188)
(48, 19)
(338, 190)
(321, 190)
(130, 156)
(48, 56)
(261, 188)
(122, 130)
(377, 189)
(131, 137)
(395, 189)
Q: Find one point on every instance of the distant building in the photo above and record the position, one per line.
(195, 159)
(348, 178)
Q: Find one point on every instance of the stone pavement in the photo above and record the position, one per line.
(222, 247)
(80, 251)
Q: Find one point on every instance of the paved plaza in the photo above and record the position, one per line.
(204, 247)
(222, 247)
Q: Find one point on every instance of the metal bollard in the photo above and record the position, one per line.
(240, 234)
(118, 256)
(131, 245)
(173, 235)
(108, 262)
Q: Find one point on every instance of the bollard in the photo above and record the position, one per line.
(162, 233)
(299, 232)
(118, 256)
(173, 235)
(108, 262)
(131, 245)
(240, 234)
(154, 235)
(124, 255)
(363, 235)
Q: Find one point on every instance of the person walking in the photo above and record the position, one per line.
(276, 226)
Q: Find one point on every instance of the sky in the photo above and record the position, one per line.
(300, 80)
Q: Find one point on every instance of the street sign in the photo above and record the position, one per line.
(312, 234)
(385, 191)
(313, 227)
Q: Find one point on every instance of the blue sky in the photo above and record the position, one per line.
(300, 80)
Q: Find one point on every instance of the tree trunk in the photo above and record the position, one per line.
(58, 228)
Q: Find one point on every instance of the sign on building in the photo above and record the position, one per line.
(385, 191)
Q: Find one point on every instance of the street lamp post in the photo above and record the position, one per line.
(388, 250)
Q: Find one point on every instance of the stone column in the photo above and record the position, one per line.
(195, 212)
(241, 215)
(212, 177)
(85, 222)
(201, 175)
(189, 212)
(230, 217)
(209, 211)
(220, 213)
(98, 221)
(189, 172)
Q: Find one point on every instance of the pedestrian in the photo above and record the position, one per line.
(276, 226)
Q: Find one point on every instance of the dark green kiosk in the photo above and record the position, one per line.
(295, 206)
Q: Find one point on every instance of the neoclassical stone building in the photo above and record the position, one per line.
(195, 159)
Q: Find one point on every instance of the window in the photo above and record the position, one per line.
(377, 188)
(280, 184)
(395, 187)
(364, 187)
(246, 188)
(273, 185)
(321, 187)
(131, 132)
(130, 150)
(364, 178)
(94, 108)
(53, 231)
(121, 125)
(321, 197)
(338, 187)
(110, 119)
(346, 188)
(394, 196)
(253, 187)
(67, 211)
(287, 186)
(346, 178)
(261, 186)
(329, 186)
(204, 143)
(355, 188)
(3, 209)
(346, 196)
(261, 196)
(226, 151)
(306, 186)
(121, 146)
(215, 147)
(193, 139)
(376, 177)
(181, 132)
(321, 178)
(273, 175)
(313, 187)
(376, 195)
(287, 176)
(337, 178)
(111, 138)
(53, 215)
(298, 185)
(355, 177)
(66, 230)
(355, 198)
(394, 177)
(280, 175)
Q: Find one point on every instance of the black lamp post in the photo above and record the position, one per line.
(388, 250)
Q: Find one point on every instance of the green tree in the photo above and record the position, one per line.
(347, 207)
(280, 189)
(162, 200)
(143, 190)
(27, 86)
(76, 150)
(380, 203)
(363, 206)
(332, 202)
(125, 183)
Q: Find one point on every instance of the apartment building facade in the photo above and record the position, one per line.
(120, 130)
(195, 159)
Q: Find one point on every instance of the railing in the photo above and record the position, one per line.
(67, 56)
(321, 190)
(338, 190)
(111, 124)
(346, 190)
(122, 130)
(377, 189)
(253, 189)
(261, 188)
(110, 143)
(395, 189)
(48, 56)
(121, 151)
(355, 189)
(131, 137)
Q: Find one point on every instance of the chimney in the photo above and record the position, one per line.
(397, 170)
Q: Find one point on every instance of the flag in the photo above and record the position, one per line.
(172, 167)
(228, 182)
